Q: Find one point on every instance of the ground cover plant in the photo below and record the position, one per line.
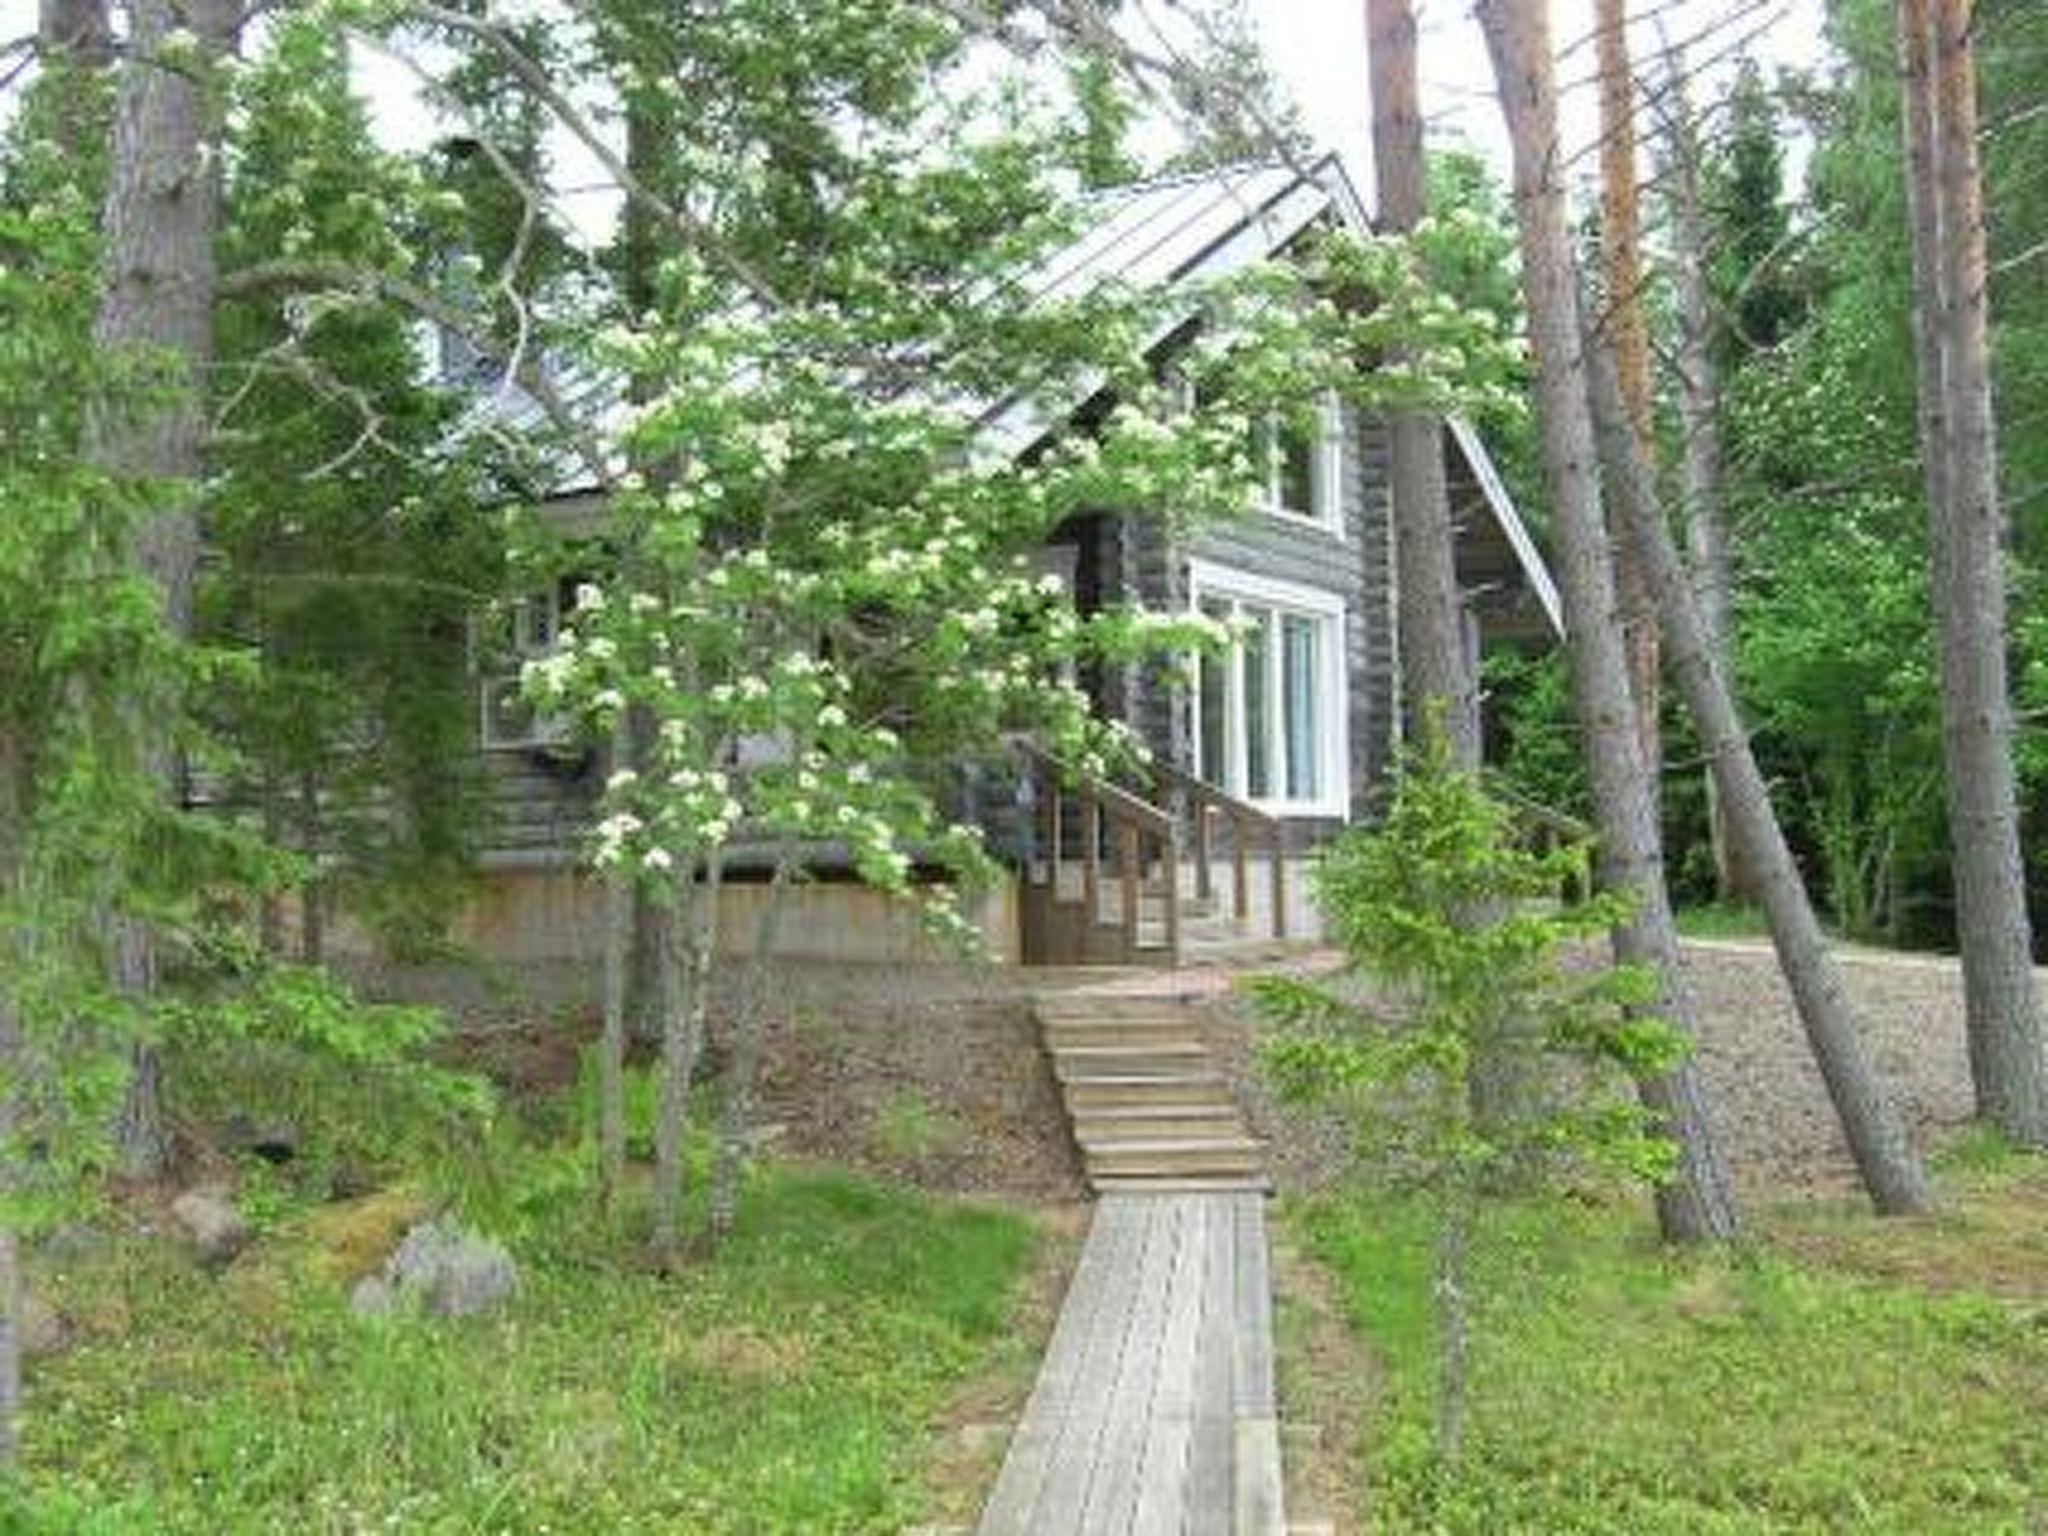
(786, 1385)
(1838, 1373)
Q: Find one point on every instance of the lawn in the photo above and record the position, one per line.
(1836, 1374)
(791, 1385)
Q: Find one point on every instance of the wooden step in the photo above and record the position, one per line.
(1091, 1006)
(1109, 1091)
(1189, 1157)
(1169, 1058)
(1218, 1184)
(1173, 1030)
(1151, 1121)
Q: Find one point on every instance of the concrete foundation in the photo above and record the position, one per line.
(524, 916)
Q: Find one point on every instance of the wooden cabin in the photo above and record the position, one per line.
(1281, 744)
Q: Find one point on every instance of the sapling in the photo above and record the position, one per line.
(1457, 950)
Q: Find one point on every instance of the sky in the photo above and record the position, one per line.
(1317, 48)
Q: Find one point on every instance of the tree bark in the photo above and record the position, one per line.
(678, 1065)
(693, 929)
(1621, 254)
(1703, 464)
(73, 40)
(1876, 1132)
(749, 1027)
(611, 1047)
(1699, 1203)
(162, 217)
(1966, 532)
(313, 895)
(1434, 662)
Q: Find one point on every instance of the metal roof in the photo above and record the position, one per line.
(1184, 230)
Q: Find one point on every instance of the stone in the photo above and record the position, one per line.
(274, 1141)
(440, 1270)
(208, 1218)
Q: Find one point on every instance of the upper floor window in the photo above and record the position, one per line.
(1299, 454)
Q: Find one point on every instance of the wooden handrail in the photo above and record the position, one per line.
(1106, 808)
(1203, 798)
(1121, 803)
(1559, 822)
(1221, 799)
(1560, 827)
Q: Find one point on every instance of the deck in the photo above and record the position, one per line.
(1153, 1411)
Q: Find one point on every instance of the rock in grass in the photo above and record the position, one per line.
(274, 1141)
(215, 1228)
(440, 1270)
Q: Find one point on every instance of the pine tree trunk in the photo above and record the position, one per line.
(313, 896)
(162, 217)
(1621, 253)
(1966, 536)
(1699, 1203)
(1876, 1132)
(1704, 461)
(72, 39)
(1435, 666)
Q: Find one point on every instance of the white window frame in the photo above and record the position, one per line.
(1326, 461)
(1326, 470)
(1210, 581)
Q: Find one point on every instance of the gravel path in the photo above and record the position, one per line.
(1766, 1099)
(1765, 1095)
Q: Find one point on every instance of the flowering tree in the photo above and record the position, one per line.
(828, 590)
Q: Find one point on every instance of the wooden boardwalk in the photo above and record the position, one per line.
(1153, 1412)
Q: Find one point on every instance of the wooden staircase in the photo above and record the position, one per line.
(1150, 1110)
(1114, 876)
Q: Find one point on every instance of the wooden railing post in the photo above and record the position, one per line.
(1127, 855)
(1050, 781)
(1241, 876)
(1278, 844)
(1201, 810)
(1091, 854)
(1170, 854)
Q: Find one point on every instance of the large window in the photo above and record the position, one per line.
(1269, 712)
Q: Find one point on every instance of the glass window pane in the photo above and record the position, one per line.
(1301, 727)
(1258, 768)
(1297, 467)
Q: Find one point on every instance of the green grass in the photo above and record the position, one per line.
(1815, 1381)
(789, 1386)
